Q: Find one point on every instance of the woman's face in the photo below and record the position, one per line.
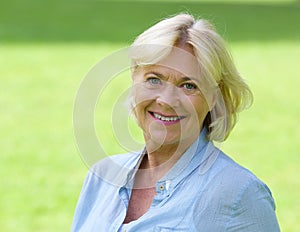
(169, 105)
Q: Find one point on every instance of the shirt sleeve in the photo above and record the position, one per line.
(254, 210)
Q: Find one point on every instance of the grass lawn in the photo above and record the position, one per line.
(46, 48)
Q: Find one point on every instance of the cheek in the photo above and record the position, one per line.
(139, 113)
(140, 103)
(142, 95)
(200, 109)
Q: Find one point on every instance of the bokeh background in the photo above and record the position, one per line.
(47, 47)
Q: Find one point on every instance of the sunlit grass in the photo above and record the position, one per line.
(41, 169)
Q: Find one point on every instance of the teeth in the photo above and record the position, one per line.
(168, 119)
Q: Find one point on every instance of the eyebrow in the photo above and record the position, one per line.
(156, 74)
(182, 79)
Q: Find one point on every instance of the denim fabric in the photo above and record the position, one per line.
(204, 191)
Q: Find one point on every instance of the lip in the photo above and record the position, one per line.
(165, 115)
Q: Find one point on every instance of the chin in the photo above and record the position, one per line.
(170, 139)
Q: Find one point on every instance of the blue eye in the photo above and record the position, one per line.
(189, 86)
(153, 81)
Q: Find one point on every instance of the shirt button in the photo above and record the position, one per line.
(161, 187)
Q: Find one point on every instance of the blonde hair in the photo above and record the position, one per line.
(214, 60)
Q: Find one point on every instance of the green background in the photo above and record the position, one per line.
(47, 47)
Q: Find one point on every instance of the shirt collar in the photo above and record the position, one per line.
(183, 167)
(194, 157)
(187, 157)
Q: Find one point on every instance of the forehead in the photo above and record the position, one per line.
(180, 62)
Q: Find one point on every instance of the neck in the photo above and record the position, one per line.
(157, 162)
(166, 154)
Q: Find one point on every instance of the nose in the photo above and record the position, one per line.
(169, 96)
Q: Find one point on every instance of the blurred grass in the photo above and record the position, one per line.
(120, 21)
(47, 47)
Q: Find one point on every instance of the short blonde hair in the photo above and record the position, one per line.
(214, 60)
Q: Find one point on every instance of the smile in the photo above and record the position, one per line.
(166, 118)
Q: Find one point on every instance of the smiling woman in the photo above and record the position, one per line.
(186, 94)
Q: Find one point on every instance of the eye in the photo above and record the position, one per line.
(189, 86)
(153, 81)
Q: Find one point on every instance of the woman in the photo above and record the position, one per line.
(186, 94)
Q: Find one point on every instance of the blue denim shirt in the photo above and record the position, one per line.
(204, 191)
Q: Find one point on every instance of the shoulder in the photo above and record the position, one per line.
(248, 197)
(112, 169)
(119, 160)
(100, 185)
(236, 196)
(249, 200)
(233, 184)
(231, 173)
